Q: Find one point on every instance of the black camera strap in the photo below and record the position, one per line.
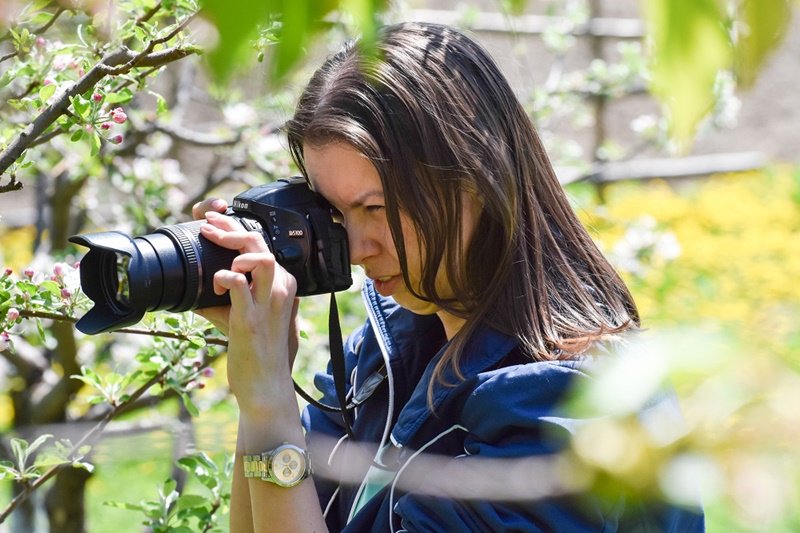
(337, 369)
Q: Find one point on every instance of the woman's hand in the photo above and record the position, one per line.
(261, 318)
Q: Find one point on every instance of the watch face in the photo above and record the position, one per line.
(288, 466)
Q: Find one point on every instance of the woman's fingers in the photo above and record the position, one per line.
(268, 281)
(200, 209)
(225, 231)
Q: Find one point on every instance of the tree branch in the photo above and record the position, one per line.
(136, 331)
(147, 16)
(193, 137)
(37, 31)
(12, 185)
(109, 65)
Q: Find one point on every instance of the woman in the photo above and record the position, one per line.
(486, 300)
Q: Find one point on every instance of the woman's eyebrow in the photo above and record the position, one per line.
(362, 198)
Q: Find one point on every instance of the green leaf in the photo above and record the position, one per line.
(89, 467)
(97, 142)
(363, 13)
(189, 404)
(123, 96)
(6, 78)
(763, 25)
(690, 47)
(50, 287)
(190, 501)
(236, 25)
(19, 448)
(123, 505)
(197, 341)
(46, 91)
(81, 106)
(40, 330)
(161, 104)
(514, 7)
(181, 529)
(41, 439)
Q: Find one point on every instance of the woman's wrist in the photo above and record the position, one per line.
(274, 405)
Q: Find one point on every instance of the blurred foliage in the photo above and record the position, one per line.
(721, 252)
(713, 265)
(694, 41)
(127, 149)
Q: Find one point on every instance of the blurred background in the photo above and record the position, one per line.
(704, 226)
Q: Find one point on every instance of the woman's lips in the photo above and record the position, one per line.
(386, 285)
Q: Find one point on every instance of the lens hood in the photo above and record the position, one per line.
(100, 282)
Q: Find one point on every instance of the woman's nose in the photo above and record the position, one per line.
(361, 244)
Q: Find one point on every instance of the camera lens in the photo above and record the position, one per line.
(170, 269)
(117, 283)
(190, 264)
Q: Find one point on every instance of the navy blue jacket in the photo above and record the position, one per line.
(505, 407)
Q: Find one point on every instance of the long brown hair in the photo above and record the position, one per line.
(437, 119)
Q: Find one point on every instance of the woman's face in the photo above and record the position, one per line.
(350, 182)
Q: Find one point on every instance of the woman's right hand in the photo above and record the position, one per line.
(216, 315)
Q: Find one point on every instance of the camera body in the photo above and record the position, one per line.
(173, 268)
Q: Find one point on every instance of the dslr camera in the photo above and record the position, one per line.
(173, 268)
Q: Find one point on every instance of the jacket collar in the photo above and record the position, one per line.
(394, 324)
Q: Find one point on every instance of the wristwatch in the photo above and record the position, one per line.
(286, 466)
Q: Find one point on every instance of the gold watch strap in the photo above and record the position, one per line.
(254, 466)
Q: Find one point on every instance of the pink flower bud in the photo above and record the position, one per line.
(116, 139)
(97, 97)
(48, 81)
(105, 125)
(28, 273)
(119, 116)
(77, 265)
(191, 385)
(59, 269)
(89, 128)
(4, 340)
(12, 315)
(41, 42)
(66, 293)
(8, 272)
(208, 372)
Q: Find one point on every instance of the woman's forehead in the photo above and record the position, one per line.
(341, 173)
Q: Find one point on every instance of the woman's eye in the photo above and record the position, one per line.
(374, 208)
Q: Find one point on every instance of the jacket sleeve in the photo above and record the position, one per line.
(513, 414)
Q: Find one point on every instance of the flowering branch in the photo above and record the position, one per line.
(136, 331)
(37, 31)
(113, 64)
